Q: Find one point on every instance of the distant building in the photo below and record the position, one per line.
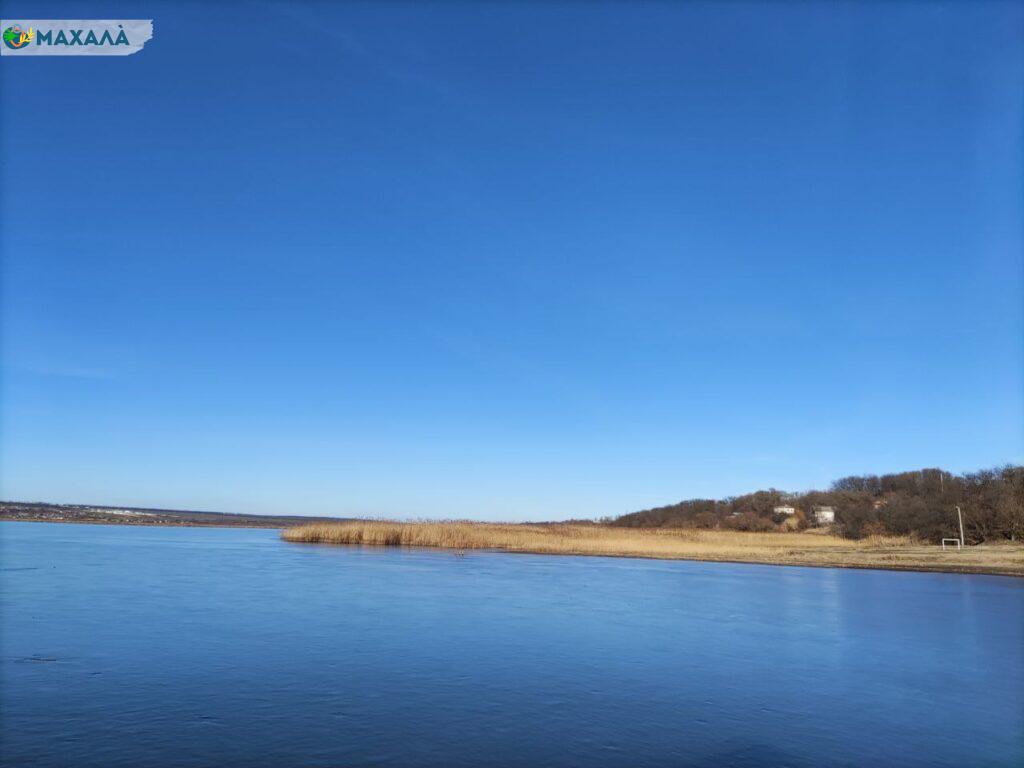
(785, 511)
(824, 515)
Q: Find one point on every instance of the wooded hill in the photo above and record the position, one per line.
(921, 503)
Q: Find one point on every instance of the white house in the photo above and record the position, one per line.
(784, 511)
(824, 515)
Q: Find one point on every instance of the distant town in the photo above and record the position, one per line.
(87, 513)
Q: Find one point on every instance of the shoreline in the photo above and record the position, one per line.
(953, 570)
(826, 556)
(803, 549)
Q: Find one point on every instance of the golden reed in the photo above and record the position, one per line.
(791, 548)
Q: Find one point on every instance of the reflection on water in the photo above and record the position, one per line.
(195, 647)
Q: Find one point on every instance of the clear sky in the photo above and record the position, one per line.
(510, 261)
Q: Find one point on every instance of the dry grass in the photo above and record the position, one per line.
(673, 544)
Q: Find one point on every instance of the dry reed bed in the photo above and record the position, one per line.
(682, 544)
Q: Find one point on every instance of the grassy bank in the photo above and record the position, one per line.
(808, 548)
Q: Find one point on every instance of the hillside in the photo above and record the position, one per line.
(919, 503)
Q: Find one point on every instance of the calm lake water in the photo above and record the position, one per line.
(130, 646)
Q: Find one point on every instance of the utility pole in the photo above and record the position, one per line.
(960, 517)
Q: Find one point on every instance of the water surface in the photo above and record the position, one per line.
(126, 646)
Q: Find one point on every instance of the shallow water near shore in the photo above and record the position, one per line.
(137, 646)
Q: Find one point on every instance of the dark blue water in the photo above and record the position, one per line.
(198, 647)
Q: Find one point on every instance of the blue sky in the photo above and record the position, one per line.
(510, 261)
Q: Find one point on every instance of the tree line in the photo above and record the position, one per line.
(920, 503)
